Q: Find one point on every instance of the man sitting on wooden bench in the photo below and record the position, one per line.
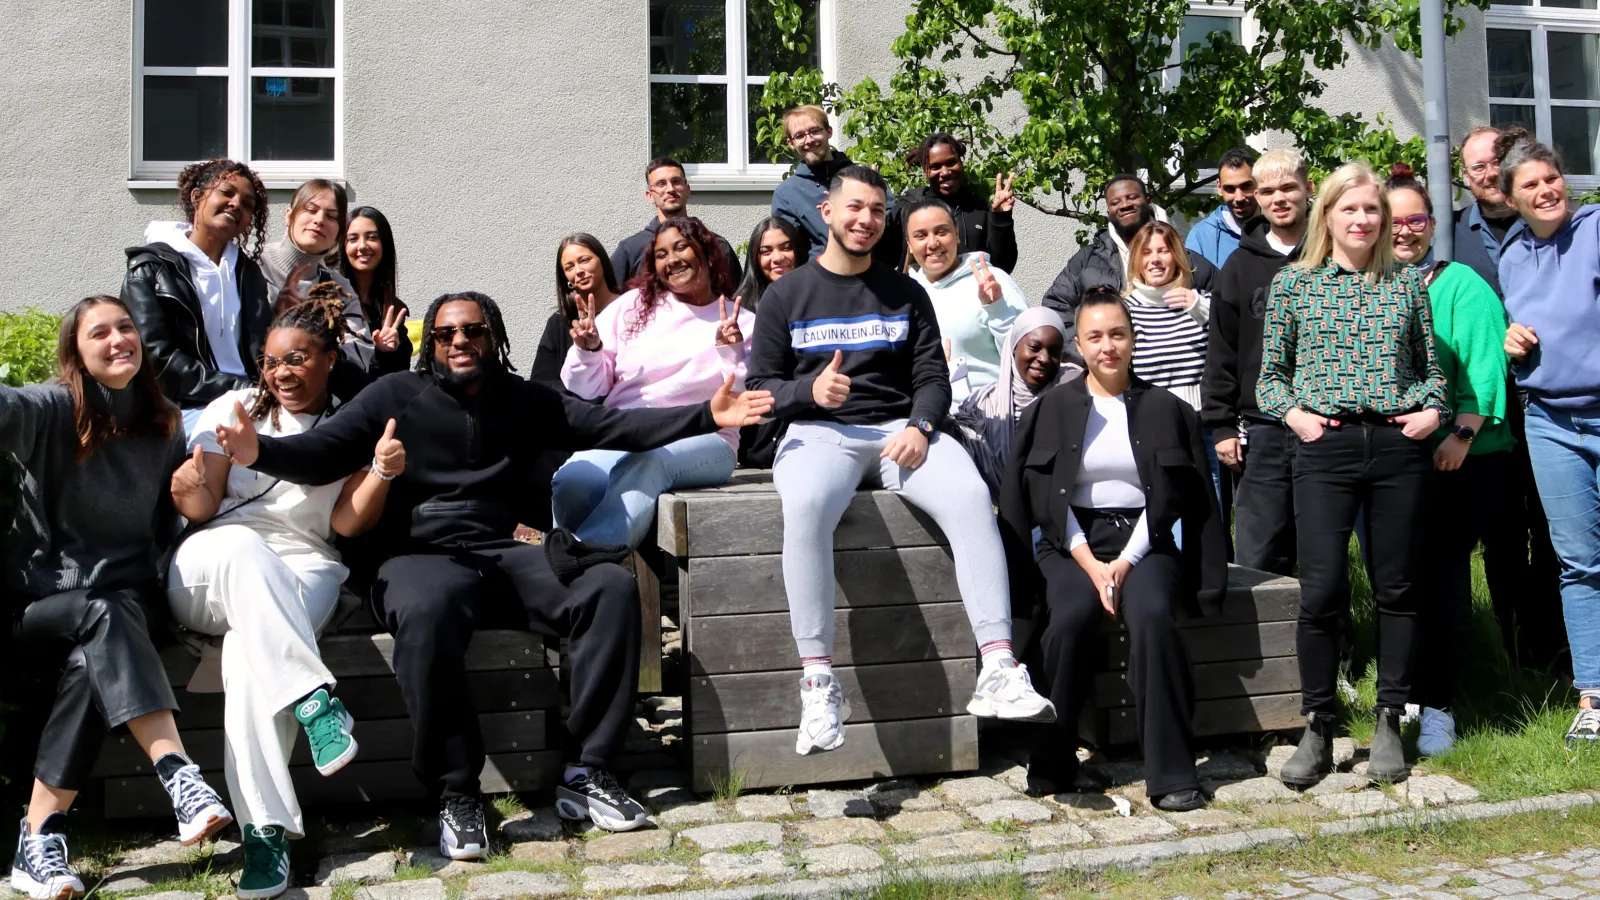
(871, 418)
(474, 433)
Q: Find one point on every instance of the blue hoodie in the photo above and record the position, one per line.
(1553, 287)
(1212, 237)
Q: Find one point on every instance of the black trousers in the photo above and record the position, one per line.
(1264, 506)
(112, 672)
(432, 602)
(1520, 565)
(1158, 664)
(1357, 465)
(1459, 507)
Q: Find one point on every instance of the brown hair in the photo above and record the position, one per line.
(1180, 256)
(341, 203)
(92, 426)
(1404, 178)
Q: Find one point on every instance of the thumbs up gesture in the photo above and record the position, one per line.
(830, 389)
(239, 440)
(389, 457)
(189, 479)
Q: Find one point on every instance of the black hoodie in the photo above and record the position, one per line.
(981, 227)
(1238, 306)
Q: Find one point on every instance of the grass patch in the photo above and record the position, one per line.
(508, 806)
(505, 862)
(410, 871)
(727, 786)
(344, 890)
(1005, 826)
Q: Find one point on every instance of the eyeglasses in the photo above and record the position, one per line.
(1480, 168)
(1416, 224)
(294, 359)
(674, 183)
(811, 135)
(472, 330)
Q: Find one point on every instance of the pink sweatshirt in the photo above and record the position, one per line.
(674, 361)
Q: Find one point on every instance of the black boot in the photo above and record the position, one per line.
(1313, 759)
(1386, 764)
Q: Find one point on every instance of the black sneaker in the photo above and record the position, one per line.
(599, 798)
(462, 834)
(40, 867)
(199, 810)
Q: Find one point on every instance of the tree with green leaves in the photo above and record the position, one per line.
(1067, 93)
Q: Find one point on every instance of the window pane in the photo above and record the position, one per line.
(186, 33)
(766, 51)
(758, 154)
(1197, 30)
(185, 118)
(291, 118)
(1570, 4)
(1574, 66)
(1505, 115)
(687, 37)
(1510, 63)
(690, 122)
(295, 33)
(1575, 132)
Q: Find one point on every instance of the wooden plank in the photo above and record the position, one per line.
(1235, 715)
(1218, 644)
(752, 523)
(359, 782)
(871, 750)
(645, 574)
(885, 634)
(764, 700)
(727, 585)
(672, 525)
(362, 655)
(379, 740)
(1212, 681)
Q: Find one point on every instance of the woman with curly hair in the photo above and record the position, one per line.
(671, 340)
(196, 289)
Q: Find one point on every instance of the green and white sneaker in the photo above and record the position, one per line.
(266, 862)
(327, 726)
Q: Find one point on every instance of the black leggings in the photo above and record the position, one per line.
(1158, 664)
(112, 672)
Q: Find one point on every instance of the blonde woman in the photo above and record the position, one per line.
(1348, 363)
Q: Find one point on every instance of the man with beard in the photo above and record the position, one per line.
(799, 198)
(850, 350)
(473, 432)
(1216, 236)
(667, 189)
(1481, 226)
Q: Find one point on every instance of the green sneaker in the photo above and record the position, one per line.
(266, 863)
(327, 725)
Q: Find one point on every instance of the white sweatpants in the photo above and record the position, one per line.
(269, 605)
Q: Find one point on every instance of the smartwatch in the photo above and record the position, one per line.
(923, 425)
(1464, 433)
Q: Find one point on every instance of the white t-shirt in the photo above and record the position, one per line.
(290, 517)
(1108, 475)
(1280, 246)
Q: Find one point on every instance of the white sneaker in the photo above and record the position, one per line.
(1585, 726)
(1411, 713)
(1004, 692)
(823, 712)
(1438, 732)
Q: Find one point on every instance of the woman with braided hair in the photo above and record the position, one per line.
(258, 567)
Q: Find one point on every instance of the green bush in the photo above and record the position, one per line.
(27, 346)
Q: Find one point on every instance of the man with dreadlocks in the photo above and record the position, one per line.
(474, 432)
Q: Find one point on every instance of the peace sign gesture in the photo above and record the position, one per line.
(387, 338)
(728, 332)
(583, 331)
(1004, 197)
(988, 286)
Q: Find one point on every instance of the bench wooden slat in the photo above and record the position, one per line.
(362, 655)
(1219, 644)
(752, 523)
(885, 634)
(1234, 715)
(871, 750)
(1213, 681)
(727, 585)
(755, 701)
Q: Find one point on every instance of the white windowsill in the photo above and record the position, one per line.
(171, 184)
(731, 182)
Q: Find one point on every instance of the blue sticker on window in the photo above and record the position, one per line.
(277, 87)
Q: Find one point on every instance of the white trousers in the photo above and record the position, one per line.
(269, 604)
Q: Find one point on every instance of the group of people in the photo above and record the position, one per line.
(1080, 457)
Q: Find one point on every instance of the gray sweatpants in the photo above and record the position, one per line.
(818, 469)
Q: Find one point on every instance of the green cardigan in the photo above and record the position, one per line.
(1469, 334)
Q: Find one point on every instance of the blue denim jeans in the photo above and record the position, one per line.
(609, 496)
(1565, 451)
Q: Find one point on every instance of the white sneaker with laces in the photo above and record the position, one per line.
(1438, 735)
(1585, 726)
(1005, 692)
(823, 712)
(1411, 713)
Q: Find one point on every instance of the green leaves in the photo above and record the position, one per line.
(27, 346)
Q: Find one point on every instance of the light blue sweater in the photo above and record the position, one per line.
(1553, 287)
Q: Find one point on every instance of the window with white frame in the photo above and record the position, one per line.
(1544, 74)
(1204, 19)
(709, 62)
(254, 80)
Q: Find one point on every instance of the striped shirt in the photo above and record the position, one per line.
(1169, 349)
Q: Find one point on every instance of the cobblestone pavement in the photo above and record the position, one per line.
(1531, 876)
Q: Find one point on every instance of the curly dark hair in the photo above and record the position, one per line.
(204, 175)
(491, 313)
(320, 315)
(653, 291)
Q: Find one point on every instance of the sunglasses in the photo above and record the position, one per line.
(472, 330)
(1416, 224)
(294, 359)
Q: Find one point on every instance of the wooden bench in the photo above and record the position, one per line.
(514, 689)
(904, 651)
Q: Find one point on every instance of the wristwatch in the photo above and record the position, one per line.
(923, 425)
(1463, 433)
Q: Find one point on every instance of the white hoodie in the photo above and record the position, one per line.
(976, 332)
(217, 286)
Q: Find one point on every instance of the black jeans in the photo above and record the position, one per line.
(1458, 508)
(1355, 465)
(1158, 665)
(112, 672)
(432, 602)
(1264, 504)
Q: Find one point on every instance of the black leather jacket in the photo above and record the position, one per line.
(161, 297)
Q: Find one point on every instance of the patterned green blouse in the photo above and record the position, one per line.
(1336, 344)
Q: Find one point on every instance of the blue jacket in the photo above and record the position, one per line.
(1553, 287)
(798, 197)
(1212, 238)
(1476, 247)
